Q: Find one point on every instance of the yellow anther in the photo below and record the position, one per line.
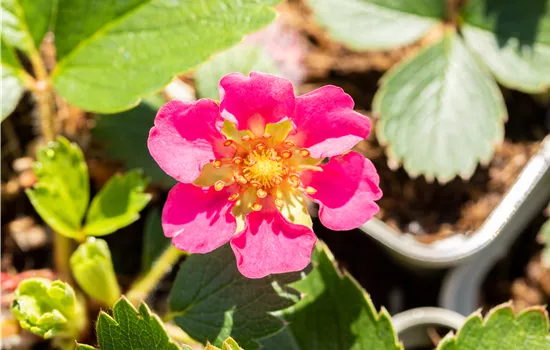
(242, 180)
(246, 138)
(294, 180)
(304, 152)
(217, 163)
(290, 143)
(227, 143)
(286, 154)
(255, 183)
(262, 167)
(310, 190)
(261, 193)
(256, 207)
(260, 147)
(234, 197)
(219, 185)
(267, 136)
(279, 202)
(237, 160)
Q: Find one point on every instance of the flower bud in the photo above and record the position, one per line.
(93, 270)
(48, 309)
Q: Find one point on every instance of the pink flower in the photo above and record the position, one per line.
(246, 166)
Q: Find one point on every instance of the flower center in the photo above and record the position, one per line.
(264, 168)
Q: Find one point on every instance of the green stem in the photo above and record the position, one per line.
(141, 289)
(62, 248)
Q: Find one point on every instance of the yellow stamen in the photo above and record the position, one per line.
(294, 180)
(234, 197)
(261, 193)
(219, 185)
(256, 207)
(237, 160)
(304, 152)
(246, 138)
(227, 143)
(310, 190)
(263, 167)
(286, 154)
(279, 202)
(217, 163)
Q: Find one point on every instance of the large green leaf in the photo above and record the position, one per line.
(112, 53)
(25, 22)
(12, 81)
(513, 39)
(154, 241)
(440, 113)
(62, 192)
(502, 330)
(334, 313)
(117, 204)
(378, 24)
(243, 58)
(131, 329)
(132, 148)
(211, 301)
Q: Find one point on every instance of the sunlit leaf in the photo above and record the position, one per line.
(117, 204)
(503, 330)
(440, 113)
(12, 82)
(378, 24)
(62, 192)
(513, 39)
(112, 53)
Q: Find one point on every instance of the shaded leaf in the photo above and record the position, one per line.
(132, 148)
(62, 192)
(130, 329)
(228, 344)
(25, 22)
(440, 113)
(378, 24)
(334, 313)
(112, 53)
(211, 300)
(513, 39)
(503, 330)
(117, 204)
(154, 241)
(12, 82)
(243, 58)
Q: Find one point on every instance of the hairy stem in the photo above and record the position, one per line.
(141, 289)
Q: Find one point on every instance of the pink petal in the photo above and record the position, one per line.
(346, 190)
(271, 244)
(197, 219)
(326, 122)
(186, 136)
(251, 102)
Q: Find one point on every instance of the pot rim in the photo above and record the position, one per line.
(513, 210)
(427, 316)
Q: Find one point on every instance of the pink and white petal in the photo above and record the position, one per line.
(197, 219)
(186, 136)
(254, 101)
(346, 190)
(326, 123)
(270, 244)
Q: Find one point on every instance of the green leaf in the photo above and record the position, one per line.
(12, 81)
(25, 22)
(132, 148)
(92, 268)
(243, 58)
(47, 308)
(154, 241)
(117, 204)
(111, 54)
(513, 39)
(378, 24)
(84, 347)
(334, 313)
(440, 113)
(130, 329)
(62, 192)
(211, 301)
(502, 330)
